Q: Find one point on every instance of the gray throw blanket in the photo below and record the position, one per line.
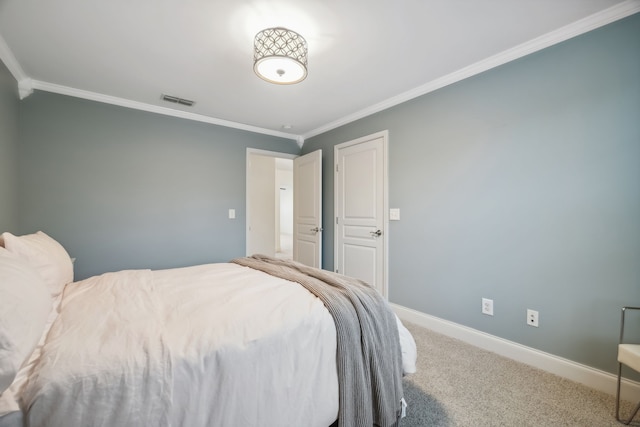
(369, 357)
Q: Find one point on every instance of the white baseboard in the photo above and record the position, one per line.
(591, 377)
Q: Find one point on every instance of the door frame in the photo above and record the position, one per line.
(385, 201)
(256, 152)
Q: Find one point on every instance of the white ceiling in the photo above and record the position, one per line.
(364, 55)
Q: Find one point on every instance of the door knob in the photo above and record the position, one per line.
(317, 229)
(376, 233)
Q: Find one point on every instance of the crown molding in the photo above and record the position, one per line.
(6, 55)
(25, 87)
(626, 8)
(122, 102)
(592, 22)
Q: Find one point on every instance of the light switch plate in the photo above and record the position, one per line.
(394, 214)
(232, 214)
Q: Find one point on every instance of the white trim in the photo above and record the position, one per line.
(574, 371)
(385, 203)
(7, 56)
(107, 99)
(607, 16)
(385, 200)
(260, 152)
(25, 87)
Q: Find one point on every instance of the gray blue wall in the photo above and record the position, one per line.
(8, 146)
(521, 184)
(123, 188)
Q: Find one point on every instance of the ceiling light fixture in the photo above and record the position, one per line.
(280, 56)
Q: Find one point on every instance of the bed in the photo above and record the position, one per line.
(253, 342)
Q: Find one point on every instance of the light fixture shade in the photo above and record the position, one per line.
(280, 56)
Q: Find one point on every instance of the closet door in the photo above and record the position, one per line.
(360, 207)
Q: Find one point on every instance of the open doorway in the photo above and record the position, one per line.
(284, 207)
(269, 227)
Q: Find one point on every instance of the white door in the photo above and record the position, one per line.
(361, 206)
(307, 209)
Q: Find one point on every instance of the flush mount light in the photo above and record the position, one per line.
(280, 56)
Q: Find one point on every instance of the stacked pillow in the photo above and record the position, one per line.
(34, 269)
(45, 255)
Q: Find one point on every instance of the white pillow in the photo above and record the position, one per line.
(25, 303)
(44, 254)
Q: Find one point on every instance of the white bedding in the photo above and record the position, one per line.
(136, 348)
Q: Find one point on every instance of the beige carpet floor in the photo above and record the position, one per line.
(457, 384)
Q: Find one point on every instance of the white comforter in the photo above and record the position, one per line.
(210, 345)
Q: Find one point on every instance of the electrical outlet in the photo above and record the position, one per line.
(532, 318)
(487, 306)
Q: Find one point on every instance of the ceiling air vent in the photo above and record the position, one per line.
(177, 100)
